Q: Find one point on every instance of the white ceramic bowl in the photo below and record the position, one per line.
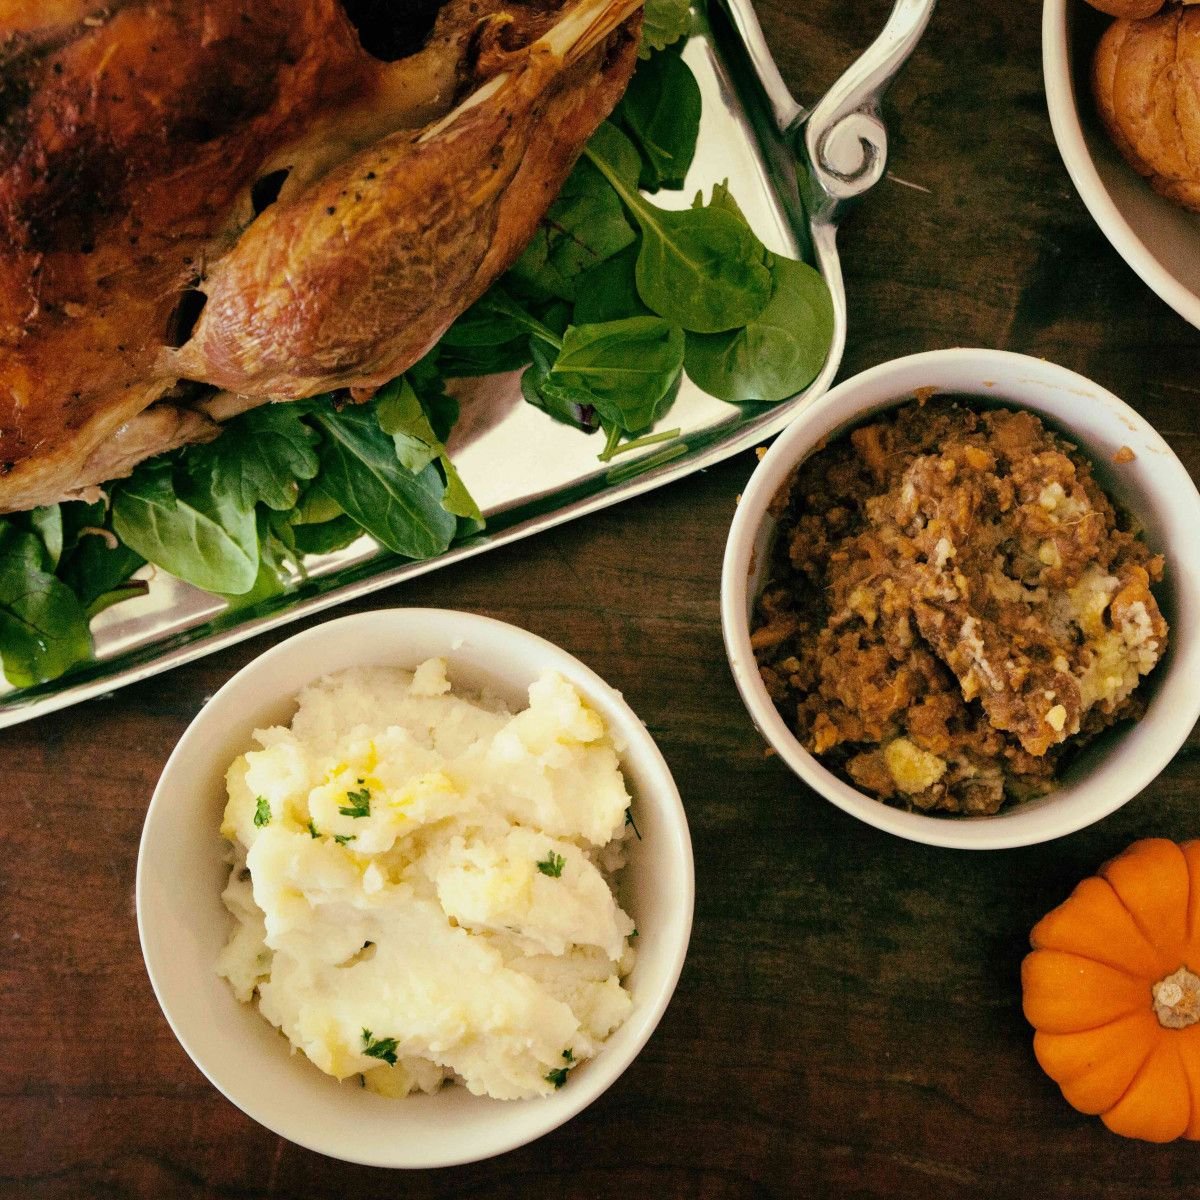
(1158, 239)
(183, 924)
(1155, 487)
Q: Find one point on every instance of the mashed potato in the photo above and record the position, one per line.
(420, 883)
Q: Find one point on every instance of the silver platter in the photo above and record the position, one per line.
(792, 171)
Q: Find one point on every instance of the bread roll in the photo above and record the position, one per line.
(1131, 10)
(1146, 79)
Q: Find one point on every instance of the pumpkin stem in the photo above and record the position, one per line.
(1177, 1000)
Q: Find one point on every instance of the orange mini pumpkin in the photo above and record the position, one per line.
(1113, 990)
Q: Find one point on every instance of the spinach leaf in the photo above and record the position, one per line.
(206, 540)
(524, 319)
(128, 590)
(483, 341)
(325, 537)
(277, 544)
(95, 562)
(259, 456)
(665, 22)
(583, 227)
(608, 292)
(613, 159)
(429, 382)
(469, 362)
(417, 445)
(481, 325)
(780, 352)
(48, 523)
(571, 408)
(701, 268)
(43, 628)
(267, 583)
(360, 471)
(722, 197)
(627, 369)
(401, 415)
(661, 112)
(314, 508)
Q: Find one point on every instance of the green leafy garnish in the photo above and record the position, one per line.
(556, 404)
(344, 839)
(780, 352)
(128, 590)
(360, 804)
(382, 1048)
(324, 537)
(664, 23)
(203, 538)
(43, 627)
(661, 113)
(417, 445)
(361, 473)
(650, 439)
(627, 370)
(701, 268)
(557, 1076)
(483, 341)
(552, 865)
(260, 457)
(608, 292)
(312, 829)
(262, 812)
(47, 522)
(94, 562)
(585, 226)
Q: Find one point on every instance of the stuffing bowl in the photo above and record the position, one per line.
(1153, 486)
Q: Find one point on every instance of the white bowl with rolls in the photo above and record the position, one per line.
(184, 866)
(1157, 236)
(1146, 479)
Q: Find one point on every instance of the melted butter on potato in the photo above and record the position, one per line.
(421, 882)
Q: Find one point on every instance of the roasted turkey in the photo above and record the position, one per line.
(211, 204)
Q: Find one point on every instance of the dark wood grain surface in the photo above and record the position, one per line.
(848, 1022)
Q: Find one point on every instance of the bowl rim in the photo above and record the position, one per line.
(1059, 83)
(604, 1068)
(840, 409)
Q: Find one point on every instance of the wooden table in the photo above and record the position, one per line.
(849, 1021)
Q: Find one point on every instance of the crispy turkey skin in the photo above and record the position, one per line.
(240, 195)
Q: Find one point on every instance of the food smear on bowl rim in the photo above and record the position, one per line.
(954, 607)
(422, 882)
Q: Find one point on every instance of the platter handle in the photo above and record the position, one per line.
(844, 139)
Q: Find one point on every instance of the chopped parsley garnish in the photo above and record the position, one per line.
(552, 865)
(312, 829)
(558, 1076)
(382, 1048)
(343, 838)
(630, 821)
(359, 806)
(262, 812)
